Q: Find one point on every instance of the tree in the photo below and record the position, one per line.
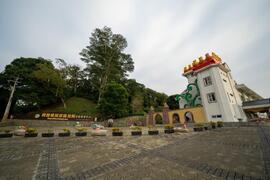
(105, 59)
(51, 79)
(114, 102)
(32, 93)
(172, 103)
(75, 75)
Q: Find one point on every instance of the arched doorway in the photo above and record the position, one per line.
(158, 119)
(189, 117)
(176, 118)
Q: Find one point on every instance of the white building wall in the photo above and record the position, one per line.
(227, 101)
(209, 108)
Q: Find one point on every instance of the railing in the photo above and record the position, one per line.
(257, 102)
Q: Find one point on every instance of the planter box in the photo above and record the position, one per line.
(6, 135)
(155, 132)
(198, 128)
(136, 133)
(117, 133)
(169, 131)
(31, 135)
(64, 134)
(81, 133)
(47, 134)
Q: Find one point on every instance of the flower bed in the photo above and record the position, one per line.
(168, 129)
(65, 133)
(31, 132)
(117, 132)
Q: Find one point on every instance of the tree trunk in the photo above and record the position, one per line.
(64, 104)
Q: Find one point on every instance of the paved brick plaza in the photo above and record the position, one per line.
(232, 153)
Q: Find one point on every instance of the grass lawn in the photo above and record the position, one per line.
(75, 105)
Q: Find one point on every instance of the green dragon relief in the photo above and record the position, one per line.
(190, 97)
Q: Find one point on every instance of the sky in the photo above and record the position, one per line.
(163, 35)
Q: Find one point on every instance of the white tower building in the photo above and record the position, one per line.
(215, 90)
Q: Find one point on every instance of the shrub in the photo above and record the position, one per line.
(81, 129)
(50, 131)
(168, 126)
(158, 119)
(66, 130)
(220, 123)
(136, 128)
(213, 123)
(150, 127)
(199, 125)
(31, 130)
(115, 129)
(7, 131)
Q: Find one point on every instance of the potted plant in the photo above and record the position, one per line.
(117, 132)
(220, 124)
(6, 134)
(65, 133)
(136, 131)
(168, 129)
(48, 134)
(213, 124)
(152, 130)
(206, 126)
(81, 132)
(198, 127)
(31, 132)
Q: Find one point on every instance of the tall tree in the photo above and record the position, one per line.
(114, 102)
(105, 58)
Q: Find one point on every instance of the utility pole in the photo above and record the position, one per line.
(10, 100)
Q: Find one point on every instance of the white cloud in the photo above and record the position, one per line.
(163, 36)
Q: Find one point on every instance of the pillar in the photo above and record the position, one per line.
(150, 117)
(165, 114)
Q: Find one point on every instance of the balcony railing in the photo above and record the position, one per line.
(257, 102)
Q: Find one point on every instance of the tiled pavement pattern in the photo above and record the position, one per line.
(227, 153)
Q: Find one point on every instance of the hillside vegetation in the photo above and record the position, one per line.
(76, 105)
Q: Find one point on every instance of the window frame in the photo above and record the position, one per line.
(207, 81)
(210, 97)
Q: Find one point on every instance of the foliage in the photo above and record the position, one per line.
(39, 83)
(168, 126)
(81, 129)
(75, 105)
(105, 59)
(136, 128)
(47, 87)
(115, 129)
(31, 130)
(213, 123)
(114, 102)
(158, 119)
(7, 131)
(66, 130)
(50, 131)
(198, 125)
(220, 123)
(150, 127)
(172, 102)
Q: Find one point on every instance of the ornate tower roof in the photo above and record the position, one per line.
(201, 63)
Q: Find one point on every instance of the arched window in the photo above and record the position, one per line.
(176, 118)
(158, 119)
(189, 117)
